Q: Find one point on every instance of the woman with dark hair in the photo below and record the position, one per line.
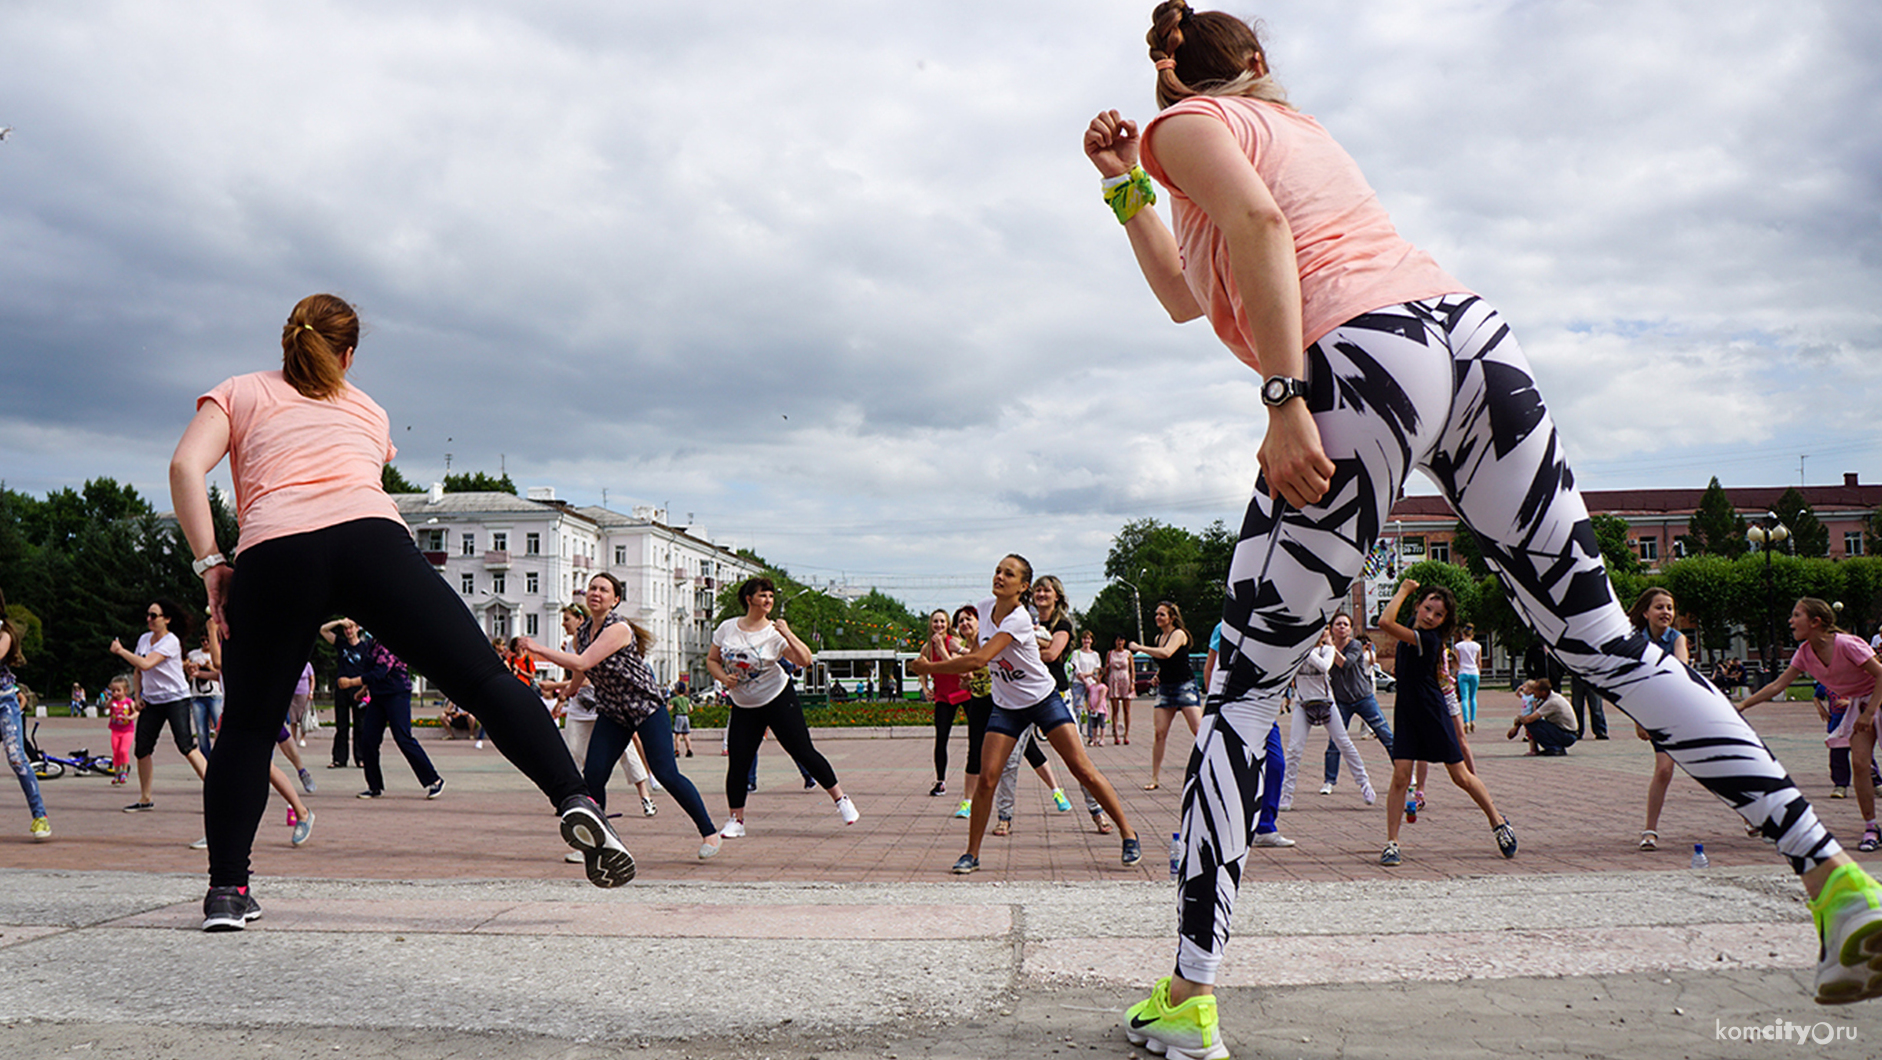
(1376, 363)
(1176, 683)
(161, 692)
(12, 725)
(747, 656)
(946, 691)
(611, 654)
(306, 449)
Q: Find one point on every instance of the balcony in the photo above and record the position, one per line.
(497, 560)
(703, 582)
(679, 574)
(582, 562)
(437, 559)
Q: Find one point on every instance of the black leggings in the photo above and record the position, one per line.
(745, 730)
(370, 570)
(943, 728)
(979, 709)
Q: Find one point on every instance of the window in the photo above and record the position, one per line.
(431, 539)
(620, 555)
(499, 541)
(532, 583)
(1852, 543)
(532, 544)
(468, 583)
(470, 544)
(530, 627)
(497, 583)
(1649, 549)
(575, 583)
(1440, 552)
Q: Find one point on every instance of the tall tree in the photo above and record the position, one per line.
(1716, 528)
(1808, 537)
(1616, 550)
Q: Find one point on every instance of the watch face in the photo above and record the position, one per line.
(1275, 391)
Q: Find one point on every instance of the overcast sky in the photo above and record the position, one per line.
(834, 280)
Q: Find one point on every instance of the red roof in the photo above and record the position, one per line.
(1848, 496)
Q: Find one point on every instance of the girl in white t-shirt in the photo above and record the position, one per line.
(746, 656)
(1024, 694)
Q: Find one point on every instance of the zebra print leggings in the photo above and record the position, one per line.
(1440, 386)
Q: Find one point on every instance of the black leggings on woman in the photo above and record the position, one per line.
(370, 570)
(745, 730)
(943, 728)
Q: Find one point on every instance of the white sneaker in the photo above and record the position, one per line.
(1327, 788)
(647, 808)
(200, 844)
(1272, 839)
(479, 745)
(734, 828)
(573, 857)
(1366, 792)
(847, 810)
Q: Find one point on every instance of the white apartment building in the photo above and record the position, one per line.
(515, 561)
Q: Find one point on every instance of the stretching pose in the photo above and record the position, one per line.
(611, 653)
(746, 656)
(1376, 363)
(1023, 696)
(319, 535)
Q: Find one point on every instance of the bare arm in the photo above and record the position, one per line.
(1201, 157)
(1680, 651)
(331, 631)
(1163, 651)
(1208, 669)
(1112, 145)
(1772, 690)
(1052, 649)
(795, 650)
(606, 643)
(1389, 623)
(203, 445)
(141, 662)
(964, 664)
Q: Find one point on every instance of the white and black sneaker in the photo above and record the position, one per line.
(229, 909)
(586, 828)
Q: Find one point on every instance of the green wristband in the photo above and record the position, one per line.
(1131, 196)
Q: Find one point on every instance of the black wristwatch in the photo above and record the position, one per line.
(1277, 389)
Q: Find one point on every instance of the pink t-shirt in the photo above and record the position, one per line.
(301, 464)
(1351, 259)
(1844, 675)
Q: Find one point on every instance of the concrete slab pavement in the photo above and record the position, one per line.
(409, 928)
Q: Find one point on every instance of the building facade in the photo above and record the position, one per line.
(515, 561)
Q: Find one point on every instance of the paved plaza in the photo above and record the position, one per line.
(452, 928)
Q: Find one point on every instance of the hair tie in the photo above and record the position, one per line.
(307, 327)
(1166, 64)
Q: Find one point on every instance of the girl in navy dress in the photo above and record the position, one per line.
(1421, 721)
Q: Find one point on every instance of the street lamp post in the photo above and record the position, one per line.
(1767, 534)
(1137, 606)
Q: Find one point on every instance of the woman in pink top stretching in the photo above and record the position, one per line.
(1846, 666)
(319, 535)
(1375, 364)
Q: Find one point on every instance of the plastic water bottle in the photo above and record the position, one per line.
(1699, 856)
(1176, 857)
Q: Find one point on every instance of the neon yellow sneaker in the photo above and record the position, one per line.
(1848, 913)
(1188, 1031)
(966, 809)
(42, 828)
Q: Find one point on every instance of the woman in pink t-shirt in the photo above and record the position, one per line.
(1846, 666)
(319, 536)
(1376, 363)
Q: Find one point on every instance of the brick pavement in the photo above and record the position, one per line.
(1575, 814)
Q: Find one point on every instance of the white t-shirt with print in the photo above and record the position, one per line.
(163, 683)
(752, 661)
(1020, 677)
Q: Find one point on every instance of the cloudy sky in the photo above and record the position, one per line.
(834, 280)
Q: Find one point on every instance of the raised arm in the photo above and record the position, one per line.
(1112, 145)
(1389, 623)
(203, 445)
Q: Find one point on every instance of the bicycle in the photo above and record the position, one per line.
(52, 767)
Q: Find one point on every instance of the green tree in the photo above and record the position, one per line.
(1165, 563)
(1431, 574)
(478, 483)
(1466, 547)
(1705, 588)
(1716, 528)
(392, 482)
(1617, 552)
(1808, 535)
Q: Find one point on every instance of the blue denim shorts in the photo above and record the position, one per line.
(1049, 713)
(1178, 697)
